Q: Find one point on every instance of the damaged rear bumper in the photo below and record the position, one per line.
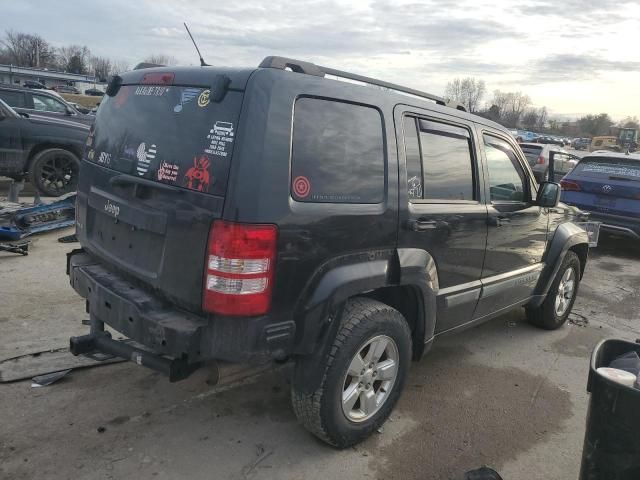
(174, 368)
(169, 340)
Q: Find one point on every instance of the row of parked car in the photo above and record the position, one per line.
(604, 183)
(525, 136)
(34, 84)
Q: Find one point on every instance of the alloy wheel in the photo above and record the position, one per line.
(566, 290)
(370, 378)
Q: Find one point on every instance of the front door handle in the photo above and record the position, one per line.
(425, 225)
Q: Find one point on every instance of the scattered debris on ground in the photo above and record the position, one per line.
(49, 378)
(42, 363)
(578, 319)
(19, 220)
(20, 247)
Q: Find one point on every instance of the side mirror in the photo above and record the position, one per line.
(548, 195)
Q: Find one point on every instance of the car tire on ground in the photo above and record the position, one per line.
(361, 379)
(54, 171)
(555, 309)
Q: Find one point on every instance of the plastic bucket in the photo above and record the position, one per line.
(612, 438)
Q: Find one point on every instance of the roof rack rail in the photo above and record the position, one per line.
(298, 66)
(309, 68)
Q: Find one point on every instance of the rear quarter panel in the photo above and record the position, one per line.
(313, 237)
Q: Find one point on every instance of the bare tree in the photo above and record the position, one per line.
(26, 50)
(500, 101)
(511, 106)
(453, 90)
(101, 68)
(542, 118)
(629, 122)
(74, 58)
(119, 66)
(161, 59)
(518, 103)
(467, 91)
(530, 118)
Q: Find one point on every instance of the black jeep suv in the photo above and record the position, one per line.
(276, 213)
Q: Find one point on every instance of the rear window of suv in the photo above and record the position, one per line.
(609, 168)
(169, 134)
(337, 152)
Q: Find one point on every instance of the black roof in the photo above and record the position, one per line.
(238, 78)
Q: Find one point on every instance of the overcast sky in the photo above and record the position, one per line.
(574, 56)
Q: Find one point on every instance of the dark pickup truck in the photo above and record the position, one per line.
(44, 149)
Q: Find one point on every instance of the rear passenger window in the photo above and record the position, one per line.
(440, 164)
(337, 153)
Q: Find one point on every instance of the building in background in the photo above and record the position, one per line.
(17, 75)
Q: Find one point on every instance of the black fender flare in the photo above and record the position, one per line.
(566, 236)
(418, 269)
(319, 312)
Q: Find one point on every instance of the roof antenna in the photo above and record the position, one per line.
(202, 62)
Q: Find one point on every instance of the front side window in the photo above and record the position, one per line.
(506, 177)
(337, 153)
(47, 104)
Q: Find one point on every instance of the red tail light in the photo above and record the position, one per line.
(165, 78)
(540, 160)
(239, 269)
(570, 186)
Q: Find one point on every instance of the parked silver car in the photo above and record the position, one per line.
(538, 156)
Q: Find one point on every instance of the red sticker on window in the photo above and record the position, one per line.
(197, 177)
(301, 186)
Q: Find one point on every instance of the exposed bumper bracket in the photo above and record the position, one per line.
(176, 369)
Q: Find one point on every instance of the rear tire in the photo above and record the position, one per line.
(357, 387)
(54, 172)
(555, 309)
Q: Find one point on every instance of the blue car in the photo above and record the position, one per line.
(607, 185)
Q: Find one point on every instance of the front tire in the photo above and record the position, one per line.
(54, 172)
(555, 309)
(361, 379)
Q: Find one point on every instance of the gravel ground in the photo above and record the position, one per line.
(503, 394)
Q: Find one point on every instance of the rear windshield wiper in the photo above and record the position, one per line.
(129, 180)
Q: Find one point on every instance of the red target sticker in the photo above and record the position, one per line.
(301, 186)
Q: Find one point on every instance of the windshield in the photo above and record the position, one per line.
(168, 134)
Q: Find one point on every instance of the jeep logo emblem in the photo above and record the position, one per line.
(112, 208)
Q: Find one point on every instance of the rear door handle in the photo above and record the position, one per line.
(425, 225)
